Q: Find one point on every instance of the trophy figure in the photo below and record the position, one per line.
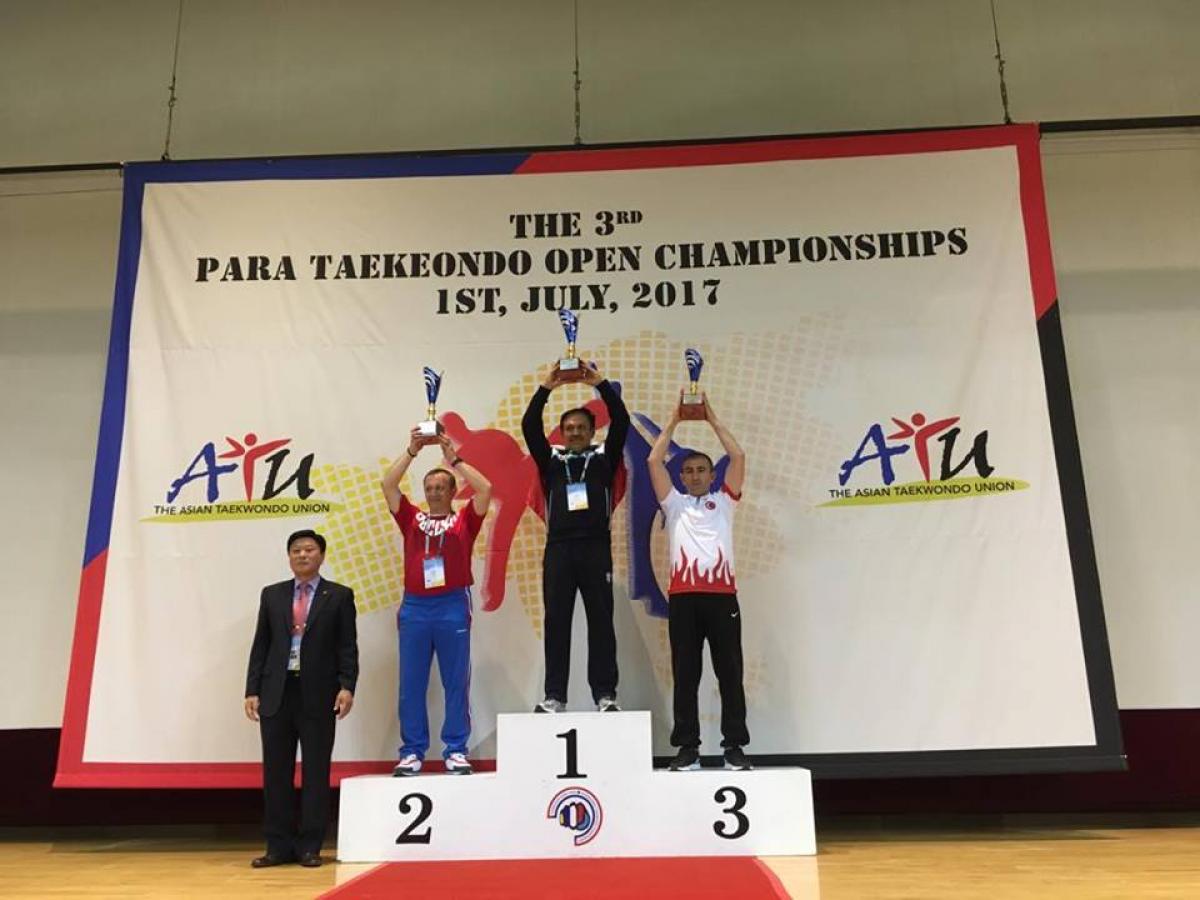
(691, 404)
(430, 428)
(570, 367)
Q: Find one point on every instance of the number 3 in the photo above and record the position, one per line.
(734, 809)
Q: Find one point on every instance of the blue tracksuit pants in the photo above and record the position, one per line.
(429, 625)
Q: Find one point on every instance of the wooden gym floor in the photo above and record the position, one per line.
(860, 857)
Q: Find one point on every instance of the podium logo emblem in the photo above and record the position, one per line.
(577, 810)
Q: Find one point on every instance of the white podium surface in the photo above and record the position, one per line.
(576, 784)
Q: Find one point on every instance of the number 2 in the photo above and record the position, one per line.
(407, 836)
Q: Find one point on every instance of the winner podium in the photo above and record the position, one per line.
(576, 785)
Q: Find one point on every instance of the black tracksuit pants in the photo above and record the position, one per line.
(717, 618)
(583, 565)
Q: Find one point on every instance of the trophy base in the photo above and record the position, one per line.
(692, 408)
(570, 368)
(428, 432)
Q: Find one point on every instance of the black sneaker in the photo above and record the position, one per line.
(686, 760)
(607, 704)
(550, 705)
(736, 760)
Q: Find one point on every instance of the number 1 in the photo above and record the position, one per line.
(572, 756)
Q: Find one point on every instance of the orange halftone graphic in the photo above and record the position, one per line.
(758, 384)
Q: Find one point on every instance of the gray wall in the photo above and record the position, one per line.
(84, 81)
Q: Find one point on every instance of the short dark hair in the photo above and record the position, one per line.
(440, 471)
(306, 533)
(696, 454)
(578, 411)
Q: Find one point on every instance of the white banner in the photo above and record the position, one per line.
(868, 315)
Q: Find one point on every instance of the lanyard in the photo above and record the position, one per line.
(441, 537)
(587, 461)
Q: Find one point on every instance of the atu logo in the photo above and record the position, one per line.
(577, 810)
(877, 455)
(284, 491)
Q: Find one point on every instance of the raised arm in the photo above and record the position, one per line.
(735, 475)
(657, 460)
(391, 481)
(532, 426)
(480, 485)
(618, 415)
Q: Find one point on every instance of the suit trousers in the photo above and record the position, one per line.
(692, 619)
(280, 735)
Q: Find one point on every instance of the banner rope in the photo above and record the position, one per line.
(1000, 66)
(578, 139)
(171, 98)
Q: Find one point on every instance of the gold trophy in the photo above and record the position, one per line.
(430, 428)
(691, 404)
(570, 367)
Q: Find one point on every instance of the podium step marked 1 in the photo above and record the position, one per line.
(576, 784)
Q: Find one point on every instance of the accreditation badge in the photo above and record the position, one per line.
(577, 498)
(435, 572)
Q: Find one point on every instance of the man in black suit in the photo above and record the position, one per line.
(303, 667)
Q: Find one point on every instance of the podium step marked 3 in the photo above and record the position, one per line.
(576, 785)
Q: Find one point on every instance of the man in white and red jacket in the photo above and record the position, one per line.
(702, 595)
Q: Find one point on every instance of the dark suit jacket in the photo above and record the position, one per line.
(328, 653)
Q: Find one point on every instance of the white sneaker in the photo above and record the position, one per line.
(550, 705)
(410, 764)
(607, 704)
(458, 764)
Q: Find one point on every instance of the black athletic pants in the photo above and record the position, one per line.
(584, 566)
(692, 619)
(280, 734)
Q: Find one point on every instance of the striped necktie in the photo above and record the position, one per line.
(300, 607)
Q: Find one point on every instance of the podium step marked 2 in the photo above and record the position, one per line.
(576, 784)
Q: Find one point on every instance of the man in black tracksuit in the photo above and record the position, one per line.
(577, 481)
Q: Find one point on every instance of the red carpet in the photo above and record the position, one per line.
(719, 878)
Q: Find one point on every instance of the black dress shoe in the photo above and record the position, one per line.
(310, 860)
(267, 860)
